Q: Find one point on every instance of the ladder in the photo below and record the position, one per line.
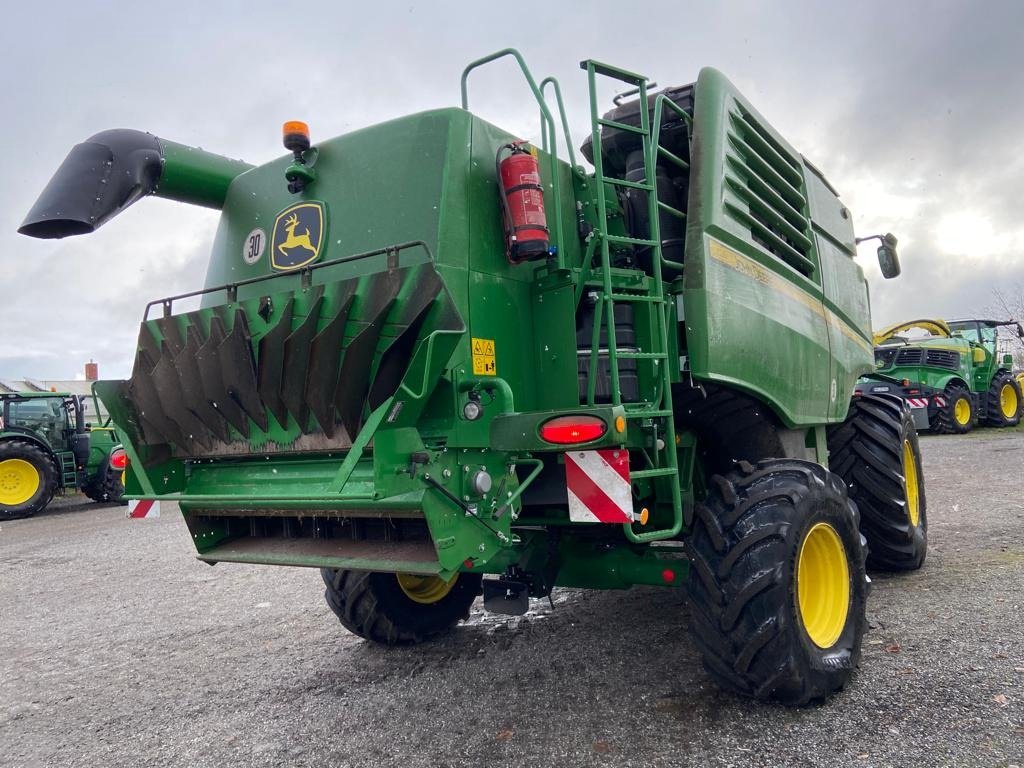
(656, 414)
(68, 469)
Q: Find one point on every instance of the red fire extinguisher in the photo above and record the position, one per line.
(522, 201)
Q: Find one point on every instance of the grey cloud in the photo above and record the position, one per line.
(911, 108)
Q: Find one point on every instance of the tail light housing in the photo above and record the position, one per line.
(118, 460)
(570, 430)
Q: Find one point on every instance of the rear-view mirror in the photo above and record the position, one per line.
(888, 259)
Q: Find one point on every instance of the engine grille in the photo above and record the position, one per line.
(769, 182)
(910, 356)
(943, 358)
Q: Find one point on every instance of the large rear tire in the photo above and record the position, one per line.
(106, 488)
(778, 587)
(957, 416)
(28, 479)
(1004, 404)
(876, 453)
(398, 609)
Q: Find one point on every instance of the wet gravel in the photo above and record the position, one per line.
(117, 648)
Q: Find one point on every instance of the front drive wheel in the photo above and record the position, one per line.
(778, 587)
(398, 609)
(1004, 405)
(956, 416)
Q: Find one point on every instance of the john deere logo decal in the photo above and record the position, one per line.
(298, 235)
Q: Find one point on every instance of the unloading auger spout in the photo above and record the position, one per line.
(109, 171)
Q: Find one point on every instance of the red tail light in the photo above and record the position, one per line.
(567, 430)
(119, 460)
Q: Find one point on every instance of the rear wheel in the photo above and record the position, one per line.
(28, 479)
(778, 587)
(876, 453)
(107, 488)
(1003, 408)
(957, 415)
(398, 609)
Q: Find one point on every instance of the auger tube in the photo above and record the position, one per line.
(107, 173)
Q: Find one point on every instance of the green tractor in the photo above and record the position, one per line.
(953, 378)
(47, 447)
(434, 361)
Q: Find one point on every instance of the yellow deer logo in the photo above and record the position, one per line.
(292, 240)
(298, 236)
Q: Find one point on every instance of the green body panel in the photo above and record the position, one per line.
(760, 305)
(379, 406)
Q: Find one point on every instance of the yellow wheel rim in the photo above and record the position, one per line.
(962, 411)
(913, 492)
(1008, 401)
(19, 481)
(823, 585)
(425, 589)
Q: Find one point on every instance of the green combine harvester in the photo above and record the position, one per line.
(953, 378)
(435, 361)
(47, 447)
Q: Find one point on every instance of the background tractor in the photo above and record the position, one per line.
(433, 360)
(952, 379)
(47, 447)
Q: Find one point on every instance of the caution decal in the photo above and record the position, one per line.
(484, 359)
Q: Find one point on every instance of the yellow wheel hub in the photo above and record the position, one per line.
(425, 589)
(823, 585)
(962, 411)
(19, 481)
(910, 477)
(1008, 401)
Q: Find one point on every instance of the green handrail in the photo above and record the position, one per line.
(547, 133)
(561, 114)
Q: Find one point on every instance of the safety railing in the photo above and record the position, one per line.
(305, 275)
(548, 141)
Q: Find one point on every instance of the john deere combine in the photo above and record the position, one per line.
(953, 378)
(433, 361)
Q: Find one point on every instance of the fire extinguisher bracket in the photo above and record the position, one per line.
(522, 203)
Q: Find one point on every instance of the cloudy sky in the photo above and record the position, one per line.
(912, 109)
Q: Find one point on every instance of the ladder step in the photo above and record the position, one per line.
(642, 355)
(673, 158)
(629, 184)
(669, 209)
(640, 474)
(621, 126)
(623, 240)
(648, 414)
(634, 297)
(614, 72)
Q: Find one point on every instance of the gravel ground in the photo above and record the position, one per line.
(117, 648)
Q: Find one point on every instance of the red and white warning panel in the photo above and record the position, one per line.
(140, 508)
(917, 402)
(599, 487)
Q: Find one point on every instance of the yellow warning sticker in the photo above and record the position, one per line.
(483, 357)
